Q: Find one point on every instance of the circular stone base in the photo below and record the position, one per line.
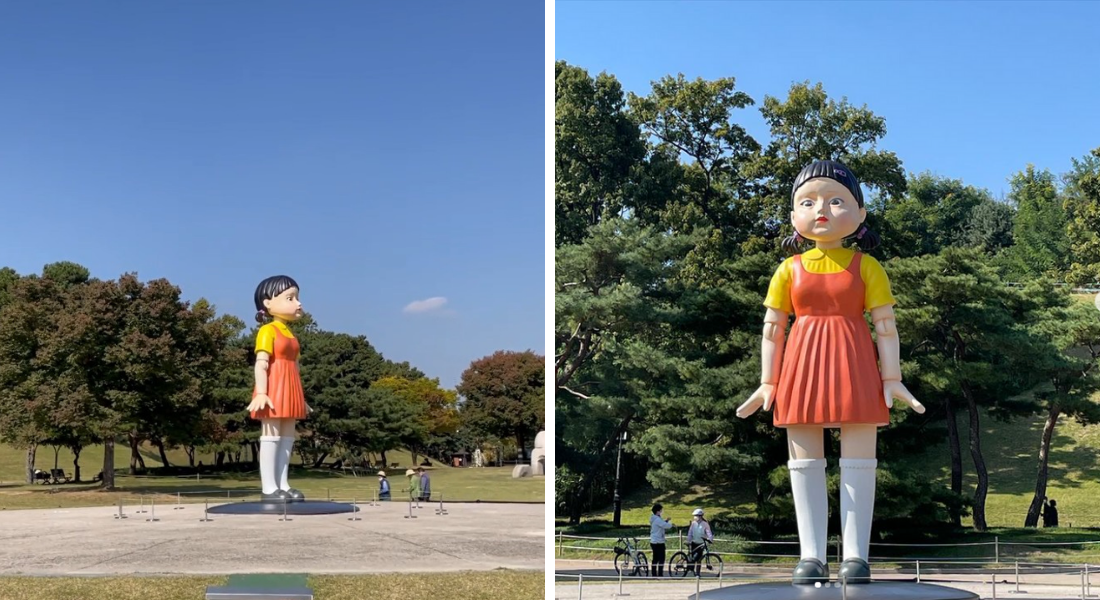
(307, 507)
(878, 590)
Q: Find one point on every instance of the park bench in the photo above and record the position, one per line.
(59, 476)
(41, 477)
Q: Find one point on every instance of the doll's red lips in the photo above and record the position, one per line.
(822, 220)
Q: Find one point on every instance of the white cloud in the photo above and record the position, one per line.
(426, 306)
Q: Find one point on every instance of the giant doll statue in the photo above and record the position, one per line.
(278, 401)
(826, 374)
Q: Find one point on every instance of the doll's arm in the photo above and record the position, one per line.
(771, 358)
(771, 346)
(889, 356)
(889, 346)
(261, 400)
(263, 359)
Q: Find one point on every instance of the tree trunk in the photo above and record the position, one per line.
(576, 505)
(982, 488)
(76, 462)
(163, 457)
(32, 449)
(1032, 519)
(219, 458)
(320, 460)
(385, 463)
(521, 441)
(255, 446)
(108, 463)
(956, 457)
(135, 454)
(190, 455)
(56, 450)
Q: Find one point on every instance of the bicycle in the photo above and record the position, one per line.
(627, 556)
(681, 564)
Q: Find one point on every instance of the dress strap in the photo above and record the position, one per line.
(853, 267)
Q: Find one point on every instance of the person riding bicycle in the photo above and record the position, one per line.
(699, 534)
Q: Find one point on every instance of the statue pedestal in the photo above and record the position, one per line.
(877, 590)
(308, 507)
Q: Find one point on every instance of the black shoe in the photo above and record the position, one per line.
(295, 495)
(810, 571)
(855, 570)
(276, 496)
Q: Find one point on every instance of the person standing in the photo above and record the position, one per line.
(425, 485)
(698, 535)
(414, 485)
(383, 486)
(657, 527)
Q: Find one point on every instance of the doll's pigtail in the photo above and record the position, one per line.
(792, 244)
(261, 316)
(866, 239)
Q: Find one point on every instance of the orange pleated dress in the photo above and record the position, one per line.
(829, 376)
(284, 383)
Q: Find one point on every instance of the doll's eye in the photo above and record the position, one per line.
(836, 201)
(807, 203)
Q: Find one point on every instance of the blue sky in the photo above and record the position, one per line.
(973, 91)
(380, 153)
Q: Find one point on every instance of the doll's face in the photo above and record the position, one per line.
(825, 211)
(285, 306)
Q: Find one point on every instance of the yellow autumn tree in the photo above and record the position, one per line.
(437, 405)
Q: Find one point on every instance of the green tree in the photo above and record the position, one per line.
(1082, 207)
(1042, 248)
(502, 395)
(597, 150)
(967, 347)
(937, 213)
(437, 406)
(1068, 364)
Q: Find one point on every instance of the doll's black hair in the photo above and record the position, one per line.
(268, 289)
(865, 239)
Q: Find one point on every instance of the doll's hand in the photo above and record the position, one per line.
(763, 396)
(896, 389)
(260, 402)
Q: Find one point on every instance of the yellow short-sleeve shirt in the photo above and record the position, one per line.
(831, 261)
(265, 337)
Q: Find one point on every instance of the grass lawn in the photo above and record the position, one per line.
(456, 484)
(491, 585)
(1011, 454)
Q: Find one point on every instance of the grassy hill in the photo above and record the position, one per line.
(456, 484)
(1011, 452)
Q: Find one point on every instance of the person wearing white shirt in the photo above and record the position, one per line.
(698, 533)
(657, 527)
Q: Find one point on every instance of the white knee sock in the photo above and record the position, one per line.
(269, 450)
(857, 505)
(286, 444)
(811, 505)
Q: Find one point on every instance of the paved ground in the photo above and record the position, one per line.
(600, 583)
(89, 541)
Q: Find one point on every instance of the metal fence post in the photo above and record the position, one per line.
(993, 580)
(997, 548)
(1017, 576)
(559, 543)
(838, 553)
(918, 571)
(697, 581)
(580, 586)
(1082, 584)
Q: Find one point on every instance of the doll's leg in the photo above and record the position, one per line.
(269, 458)
(287, 434)
(807, 468)
(857, 498)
